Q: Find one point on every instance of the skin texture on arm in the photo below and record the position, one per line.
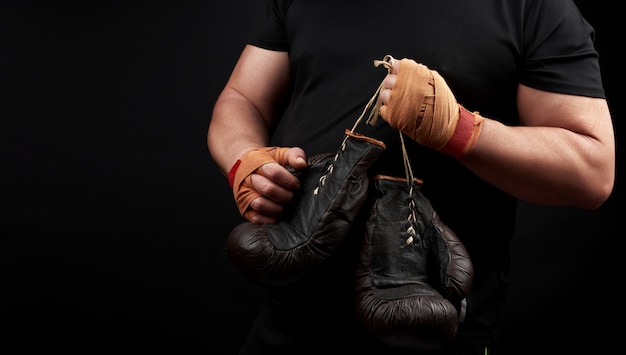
(564, 154)
(244, 111)
(242, 118)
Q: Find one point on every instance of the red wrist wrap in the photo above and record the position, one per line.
(232, 172)
(463, 132)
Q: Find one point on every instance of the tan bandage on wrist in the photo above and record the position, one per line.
(251, 162)
(423, 107)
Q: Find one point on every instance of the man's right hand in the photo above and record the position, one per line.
(261, 183)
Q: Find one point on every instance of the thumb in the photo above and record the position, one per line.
(296, 158)
(293, 157)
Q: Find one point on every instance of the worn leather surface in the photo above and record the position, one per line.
(413, 272)
(334, 189)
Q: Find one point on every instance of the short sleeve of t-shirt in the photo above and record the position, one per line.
(558, 50)
(557, 44)
(270, 32)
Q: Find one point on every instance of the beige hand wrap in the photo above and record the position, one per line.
(422, 106)
(250, 163)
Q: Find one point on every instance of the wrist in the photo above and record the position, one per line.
(232, 172)
(465, 134)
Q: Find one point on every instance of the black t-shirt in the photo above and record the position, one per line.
(483, 50)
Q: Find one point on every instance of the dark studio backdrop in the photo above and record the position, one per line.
(113, 216)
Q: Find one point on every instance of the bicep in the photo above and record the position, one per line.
(582, 115)
(261, 77)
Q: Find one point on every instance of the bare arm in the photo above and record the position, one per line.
(245, 110)
(242, 118)
(564, 154)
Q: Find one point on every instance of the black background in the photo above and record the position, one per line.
(113, 216)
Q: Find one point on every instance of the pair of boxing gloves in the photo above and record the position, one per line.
(412, 266)
(420, 104)
(413, 272)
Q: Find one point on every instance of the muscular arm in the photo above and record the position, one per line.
(245, 110)
(242, 118)
(564, 154)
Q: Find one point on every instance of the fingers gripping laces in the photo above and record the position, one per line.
(375, 99)
(372, 119)
(375, 112)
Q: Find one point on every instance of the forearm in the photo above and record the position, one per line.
(236, 127)
(261, 183)
(543, 165)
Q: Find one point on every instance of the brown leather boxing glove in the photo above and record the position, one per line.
(334, 187)
(413, 271)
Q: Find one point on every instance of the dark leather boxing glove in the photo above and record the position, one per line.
(333, 190)
(413, 271)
